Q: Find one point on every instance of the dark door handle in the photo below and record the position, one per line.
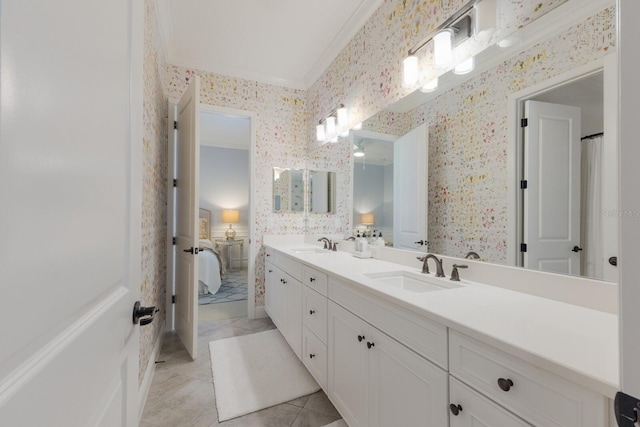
(147, 312)
(613, 261)
(455, 409)
(191, 250)
(576, 249)
(419, 242)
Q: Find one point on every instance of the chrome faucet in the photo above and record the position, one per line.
(327, 242)
(425, 265)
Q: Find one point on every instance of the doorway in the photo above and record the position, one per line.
(224, 173)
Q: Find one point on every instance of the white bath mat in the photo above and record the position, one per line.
(256, 371)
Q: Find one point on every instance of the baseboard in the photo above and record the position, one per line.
(145, 386)
(259, 312)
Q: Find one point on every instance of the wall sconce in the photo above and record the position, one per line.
(430, 86)
(477, 17)
(231, 216)
(334, 125)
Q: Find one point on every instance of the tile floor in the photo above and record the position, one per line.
(182, 390)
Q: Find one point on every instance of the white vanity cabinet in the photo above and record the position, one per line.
(284, 299)
(376, 381)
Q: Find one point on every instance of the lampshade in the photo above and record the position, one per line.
(320, 134)
(465, 66)
(231, 216)
(430, 86)
(486, 19)
(366, 219)
(442, 48)
(331, 127)
(410, 70)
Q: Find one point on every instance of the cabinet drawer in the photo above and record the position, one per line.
(289, 265)
(536, 395)
(314, 357)
(314, 312)
(425, 337)
(472, 407)
(315, 279)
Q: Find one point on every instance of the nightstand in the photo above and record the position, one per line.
(229, 244)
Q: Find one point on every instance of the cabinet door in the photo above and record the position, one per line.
(406, 389)
(276, 298)
(348, 366)
(293, 313)
(471, 409)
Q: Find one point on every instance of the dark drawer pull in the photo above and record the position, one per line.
(312, 279)
(311, 356)
(360, 338)
(312, 312)
(505, 384)
(370, 344)
(455, 409)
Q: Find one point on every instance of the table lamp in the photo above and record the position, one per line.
(232, 216)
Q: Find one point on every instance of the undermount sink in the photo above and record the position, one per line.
(412, 282)
(310, 251)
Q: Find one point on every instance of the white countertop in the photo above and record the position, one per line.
(577, 343)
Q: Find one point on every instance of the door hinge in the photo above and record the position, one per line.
(523, 184)
(175, 182)
(523, 247)
(524, 123)
(175, 241)
(173, 299)
(175, 124)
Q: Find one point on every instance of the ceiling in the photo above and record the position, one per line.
(284, 42)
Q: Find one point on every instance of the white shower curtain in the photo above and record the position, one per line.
(591, 228)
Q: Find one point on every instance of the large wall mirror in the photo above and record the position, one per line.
(539, 194)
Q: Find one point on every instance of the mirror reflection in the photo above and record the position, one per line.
(288, 190)
(475, 167)
(322, 192)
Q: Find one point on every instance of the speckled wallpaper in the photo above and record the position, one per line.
(154, 200)
(366, 77)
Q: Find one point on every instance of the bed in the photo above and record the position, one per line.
(210, 266)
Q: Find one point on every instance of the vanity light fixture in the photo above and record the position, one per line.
(358, 126)
(486, 18)
(465, 67)
(410, 71)
(431, 86)
(334, 125)
(443, 49)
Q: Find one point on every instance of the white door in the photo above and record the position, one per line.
(551, 200)
(410, 157)
(405, 389)
(70, 211)
(187, 202)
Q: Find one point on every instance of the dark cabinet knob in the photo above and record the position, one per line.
(505, 384)
(311, 356)
(360, 338)
(312, 312)
(270, 271)
(419, 242)
(284, 281)
(455, 409)
(369, 345)
(576, 249)
(312, 279)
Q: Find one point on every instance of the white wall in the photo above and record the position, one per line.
(224, 184)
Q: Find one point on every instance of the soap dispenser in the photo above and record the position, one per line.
(380, 240)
